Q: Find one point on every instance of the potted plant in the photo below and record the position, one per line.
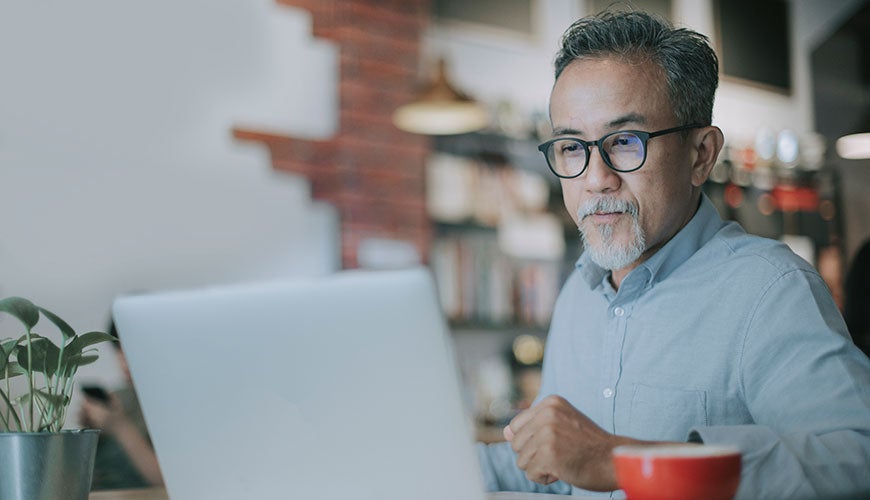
(39, 459)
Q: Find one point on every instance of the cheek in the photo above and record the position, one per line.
(571, 198)
(659, 209)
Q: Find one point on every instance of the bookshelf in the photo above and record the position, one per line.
(481, 286)
(503, 245)
(499, 252)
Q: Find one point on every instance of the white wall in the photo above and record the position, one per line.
(118, 170)
(493, 66)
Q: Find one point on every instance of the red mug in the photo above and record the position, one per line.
(677, 472)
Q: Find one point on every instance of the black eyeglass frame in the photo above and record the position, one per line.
(642, 135)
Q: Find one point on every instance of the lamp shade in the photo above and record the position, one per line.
(441, 110)
(854, 146)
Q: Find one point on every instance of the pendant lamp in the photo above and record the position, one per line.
(854, 146)
(441, 109)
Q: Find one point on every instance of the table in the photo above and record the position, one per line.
(160, 494)
(139, 494)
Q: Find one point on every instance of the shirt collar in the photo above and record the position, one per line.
(700, 229)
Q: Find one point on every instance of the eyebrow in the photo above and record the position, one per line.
(613, 124)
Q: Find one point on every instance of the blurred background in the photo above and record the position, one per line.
(168, 144)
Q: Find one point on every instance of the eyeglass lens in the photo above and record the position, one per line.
(623, 151)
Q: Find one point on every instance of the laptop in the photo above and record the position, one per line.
(322, 388)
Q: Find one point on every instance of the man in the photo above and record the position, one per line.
(125, 457)
(676, 326)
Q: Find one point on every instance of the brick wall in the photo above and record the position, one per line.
(371, 171)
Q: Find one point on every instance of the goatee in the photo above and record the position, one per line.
(603, 250)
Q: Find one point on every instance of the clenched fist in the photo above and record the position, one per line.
(554, 441)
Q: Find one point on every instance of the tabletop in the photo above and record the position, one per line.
(160, 494)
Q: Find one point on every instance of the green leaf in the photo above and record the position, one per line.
(52, 399)
(44, 355)
(44, 397)
(23, 309)
(62, 325)
(14, 370)
(7, 344)
(74, 352)
(78, 344)
(5, 350)
(50, 407)
(82, 360)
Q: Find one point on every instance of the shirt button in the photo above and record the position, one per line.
(618, 311)
(608, 393)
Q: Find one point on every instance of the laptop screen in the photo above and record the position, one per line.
(318, 388)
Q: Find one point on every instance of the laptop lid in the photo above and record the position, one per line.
(327, 388)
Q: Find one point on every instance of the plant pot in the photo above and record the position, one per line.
(47, 465)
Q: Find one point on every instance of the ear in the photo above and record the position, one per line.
(707, 143)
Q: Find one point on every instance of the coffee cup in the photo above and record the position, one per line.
(677, 472)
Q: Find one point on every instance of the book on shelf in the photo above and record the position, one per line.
(477, 283)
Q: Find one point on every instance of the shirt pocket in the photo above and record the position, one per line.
(666, 413)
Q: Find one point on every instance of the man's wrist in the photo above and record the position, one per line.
(609, 472)
(118, 425)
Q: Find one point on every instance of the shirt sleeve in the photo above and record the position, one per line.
(500, 472)
(807, 388)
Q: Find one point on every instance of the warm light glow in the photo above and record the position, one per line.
(766, 204)
(441, 109)
(528, 349)
(854, 146)
(733, 196)
(441, 118)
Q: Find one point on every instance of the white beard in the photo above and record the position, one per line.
(606, 253)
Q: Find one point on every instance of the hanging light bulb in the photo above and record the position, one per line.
(441, 110)
(854, 146)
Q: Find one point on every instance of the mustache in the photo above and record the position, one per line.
(606, 205)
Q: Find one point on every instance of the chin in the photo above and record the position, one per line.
(610, 248)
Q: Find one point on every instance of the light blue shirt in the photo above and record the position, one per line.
(723, 334)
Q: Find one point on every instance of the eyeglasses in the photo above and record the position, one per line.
(622, 151)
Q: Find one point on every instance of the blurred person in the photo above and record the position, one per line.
(675, 326)
(856, 309)
(124, 457)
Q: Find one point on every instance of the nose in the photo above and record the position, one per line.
(599, 178)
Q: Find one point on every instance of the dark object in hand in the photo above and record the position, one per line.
(96, 392)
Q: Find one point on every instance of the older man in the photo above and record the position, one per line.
(675, 325)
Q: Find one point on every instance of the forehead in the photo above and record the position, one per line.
(600, 92)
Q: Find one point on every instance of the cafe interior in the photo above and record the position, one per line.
(150, 146)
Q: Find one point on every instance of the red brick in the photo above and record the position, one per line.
(315, 152)
(376, 18)
(348, 142)
(295, 167)
(371, 171)
(375, 72)
(409, 7)
(362, 95)
(359, 44)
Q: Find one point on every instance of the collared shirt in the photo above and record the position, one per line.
(722, 336)
(113, 467)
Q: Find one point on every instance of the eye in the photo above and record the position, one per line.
(624, 143)
(569, 148)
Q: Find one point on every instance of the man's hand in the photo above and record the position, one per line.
(554, 441)
(102, 415)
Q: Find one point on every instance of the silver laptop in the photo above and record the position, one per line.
(330, 388)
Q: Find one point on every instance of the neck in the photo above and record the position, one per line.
(617, 275)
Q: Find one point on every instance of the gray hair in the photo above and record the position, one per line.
(690, 65)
